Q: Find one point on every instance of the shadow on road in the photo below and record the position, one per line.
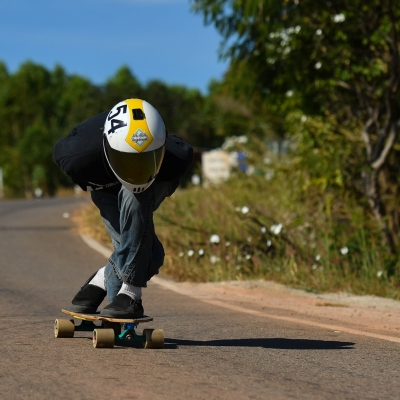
(267, 343)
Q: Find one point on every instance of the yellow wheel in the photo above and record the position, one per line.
(103, 338)
(154, 338)
(64, 328)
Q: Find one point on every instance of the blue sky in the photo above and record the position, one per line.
(157, 39)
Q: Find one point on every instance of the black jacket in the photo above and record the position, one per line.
(81, 156)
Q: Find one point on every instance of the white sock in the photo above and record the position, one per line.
(98, 279)
(135, 292)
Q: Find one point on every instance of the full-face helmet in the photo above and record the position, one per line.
(134, 143)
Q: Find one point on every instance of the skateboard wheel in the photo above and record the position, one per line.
(64, 328)
(154, 338)
(103, 338)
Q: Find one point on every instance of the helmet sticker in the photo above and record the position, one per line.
(116, 123)
(123, 107)
(139, 137)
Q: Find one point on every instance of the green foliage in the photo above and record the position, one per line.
(26, 135)
(293, 220)
(277, 227)
(336, 63)
(289, 37)
(38, 107)
(123, 85)
(182, 111)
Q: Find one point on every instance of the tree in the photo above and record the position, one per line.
(27, 109)
(335, 59)
(37, 107)
(182, 110)
(123, 85)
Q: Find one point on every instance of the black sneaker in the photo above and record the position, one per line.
(88, 299)
(123, 307)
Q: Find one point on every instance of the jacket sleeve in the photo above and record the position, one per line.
(177, 159)
(79, 153)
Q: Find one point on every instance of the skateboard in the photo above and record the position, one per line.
(112, 331)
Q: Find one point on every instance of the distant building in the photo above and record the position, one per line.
(215, 166)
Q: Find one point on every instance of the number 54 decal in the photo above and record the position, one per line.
(117, 123)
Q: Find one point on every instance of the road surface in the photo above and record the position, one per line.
(211, 352)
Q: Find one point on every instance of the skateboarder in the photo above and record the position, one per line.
(129, 163)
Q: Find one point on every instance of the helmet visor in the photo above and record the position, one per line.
(135, 168)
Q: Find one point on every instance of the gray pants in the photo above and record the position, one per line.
(128, 217)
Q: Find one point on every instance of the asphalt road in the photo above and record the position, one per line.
(210, 352)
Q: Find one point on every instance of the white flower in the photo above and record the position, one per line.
(227, 244)
(276, 229)
(344, 250)
(318, 65)
(303, 118)
(317, 257)
(269, 175)
(242, 139)
(181, 254)
(263, 229)
(289, 93)
(318, 32)
(249, 239)
(214, 239)
(196, 179)
(315, 266)
(339, 18)
(249, 171)
(267, 160)
(245, 210)
(379, 273)
(283, 34)
(201, 252)
(269, 243)
(248, 256)
(214, 259)
(190, 253)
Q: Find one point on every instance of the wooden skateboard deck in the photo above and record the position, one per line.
(98, 317)
(113, 331)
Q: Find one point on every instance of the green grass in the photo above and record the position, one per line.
(268, 230)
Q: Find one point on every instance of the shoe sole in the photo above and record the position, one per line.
(82, 309)
(120, 315)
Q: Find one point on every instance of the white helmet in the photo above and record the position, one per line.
(134, 143)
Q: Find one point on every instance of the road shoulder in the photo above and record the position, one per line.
(341, 312)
